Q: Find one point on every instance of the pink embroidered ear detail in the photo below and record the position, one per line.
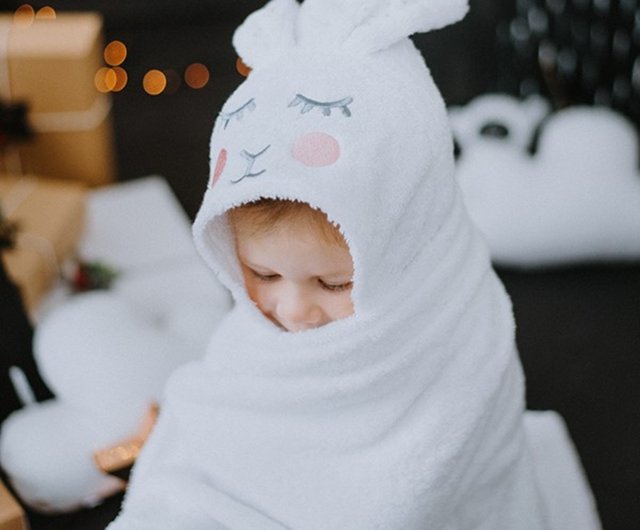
(220, 164)
(316, 149)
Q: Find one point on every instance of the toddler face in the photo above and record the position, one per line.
(298, 280)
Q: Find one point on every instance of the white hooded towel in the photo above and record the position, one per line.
(409, 413)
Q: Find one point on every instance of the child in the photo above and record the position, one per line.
(296, 265)
(367, 376)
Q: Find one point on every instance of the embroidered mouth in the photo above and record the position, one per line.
(251, 159)
(248, 176)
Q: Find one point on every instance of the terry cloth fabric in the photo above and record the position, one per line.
(407, 414)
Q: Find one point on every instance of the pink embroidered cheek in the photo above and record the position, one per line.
(220, 164)
(316, 149)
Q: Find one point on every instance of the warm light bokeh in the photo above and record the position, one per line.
(242, 68)
(196, 75)
(121, 79)
(105, 79)
(154, 82)
(115, 53)
(46, 13)
(24, 16)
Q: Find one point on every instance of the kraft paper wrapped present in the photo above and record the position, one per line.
(51, 65)
(49, 216)
(11, 514)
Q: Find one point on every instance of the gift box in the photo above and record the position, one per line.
(50, 65)
(11, 514)
(49, 218)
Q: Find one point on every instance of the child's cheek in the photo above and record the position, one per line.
(252, 289)
(341, 305)
(260, 293)
(268, 297)
(249, 284)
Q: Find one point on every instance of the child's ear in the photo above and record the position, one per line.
(267, 33)
(367, 26)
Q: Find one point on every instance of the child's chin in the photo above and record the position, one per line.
(278, 323)
(292, 328)
(296, 329)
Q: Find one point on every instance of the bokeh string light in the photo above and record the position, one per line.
(196, 75)
(105, 79)
(24, 16)
(114, 78)
(242, 68)
(121, 79)
(115, 53)
(154, 82)
(46, 13)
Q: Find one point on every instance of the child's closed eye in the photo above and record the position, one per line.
(336, 288)
(265, 277)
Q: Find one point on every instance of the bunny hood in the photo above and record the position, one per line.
(346, 119)
(405, 415)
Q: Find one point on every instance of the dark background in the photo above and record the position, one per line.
(578, 328)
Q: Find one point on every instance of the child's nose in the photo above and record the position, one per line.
(297, 307)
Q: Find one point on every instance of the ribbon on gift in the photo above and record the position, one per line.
(13, 162)
(44, 238)
(45, 122)
(8, 232)
(79, 275)
(118, 459)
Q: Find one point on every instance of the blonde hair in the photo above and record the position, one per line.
(266, 215)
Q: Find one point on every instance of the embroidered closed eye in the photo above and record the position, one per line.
(309, 104)
(226, 117)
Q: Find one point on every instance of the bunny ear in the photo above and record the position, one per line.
(367, 26)
(267, 32)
